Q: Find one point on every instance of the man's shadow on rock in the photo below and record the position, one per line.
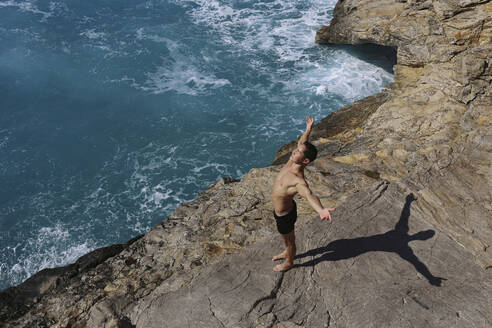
(395, 240)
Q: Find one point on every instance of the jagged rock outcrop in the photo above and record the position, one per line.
(388, 260)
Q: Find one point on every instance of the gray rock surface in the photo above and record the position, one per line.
(386, 261)
(439, 112)
(384, 266)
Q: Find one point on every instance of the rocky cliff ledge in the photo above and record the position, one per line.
(409, 170)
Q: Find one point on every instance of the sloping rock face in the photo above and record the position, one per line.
(439, 115)
(381, 268)
(409, 170)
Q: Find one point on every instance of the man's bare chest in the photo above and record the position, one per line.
(285, 180)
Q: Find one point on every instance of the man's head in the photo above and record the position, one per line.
(304, 154)
(311, 152)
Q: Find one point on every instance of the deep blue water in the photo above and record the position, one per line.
(112, 113)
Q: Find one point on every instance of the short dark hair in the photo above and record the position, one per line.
(311, 152)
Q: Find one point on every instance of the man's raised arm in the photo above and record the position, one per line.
(304, 191)
(305, 135)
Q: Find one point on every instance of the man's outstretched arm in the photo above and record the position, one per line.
(304, 191)
(305, 135)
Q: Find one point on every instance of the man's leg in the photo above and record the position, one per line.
(288, 254)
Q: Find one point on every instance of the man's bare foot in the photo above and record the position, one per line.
(282, 267)
(280, 256)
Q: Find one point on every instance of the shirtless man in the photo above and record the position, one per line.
(289, 182)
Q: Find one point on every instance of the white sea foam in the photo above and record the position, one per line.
(280, 31)
(151, 195)
(180, 73)
(346, 76)
(219, 167)
(141, 35)
(93, 35)
(184, 78)
(49, 247)
(284, 26)
(284, 31)
(4, 140)
(26, 6)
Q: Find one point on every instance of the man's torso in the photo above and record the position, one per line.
(284, 190)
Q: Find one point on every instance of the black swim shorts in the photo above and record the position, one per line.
(285, 223)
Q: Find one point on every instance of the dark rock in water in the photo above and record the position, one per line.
(409, 170)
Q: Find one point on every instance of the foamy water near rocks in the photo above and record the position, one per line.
(388, 260)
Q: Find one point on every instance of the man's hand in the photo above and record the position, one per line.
(309, 123)
(325, 214)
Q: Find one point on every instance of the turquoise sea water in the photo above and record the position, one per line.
(112, 113)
